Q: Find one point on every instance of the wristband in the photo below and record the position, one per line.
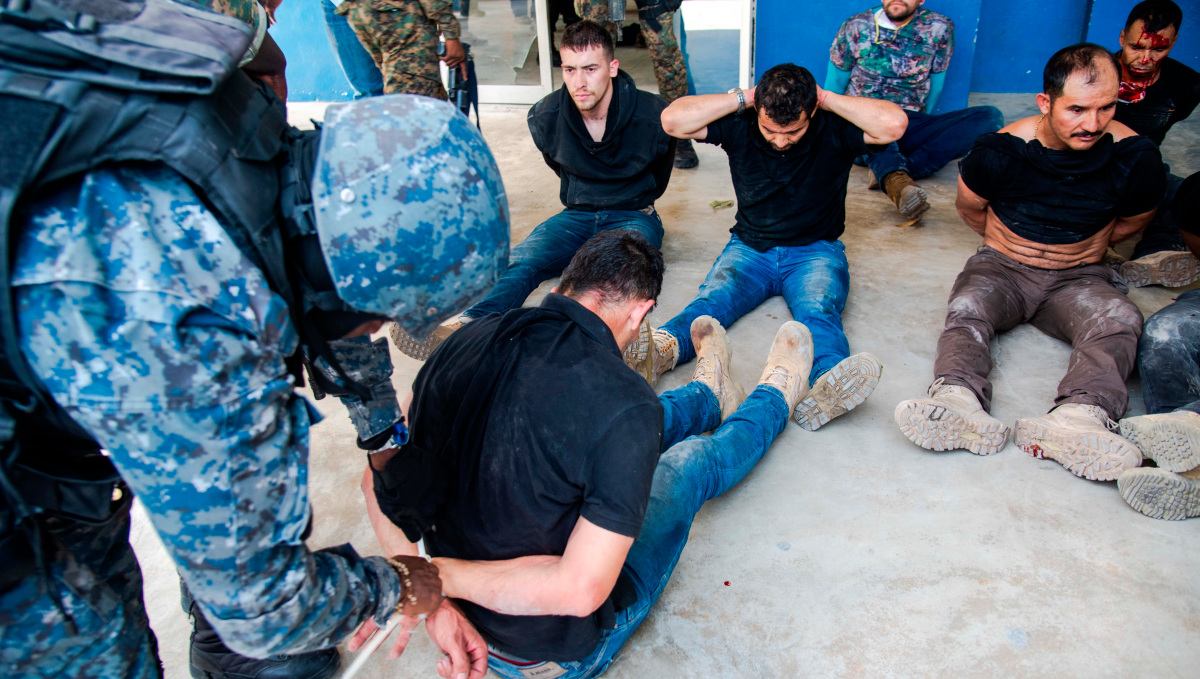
(406, 595)
(741, 99)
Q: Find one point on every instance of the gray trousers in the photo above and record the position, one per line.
(1084, 305)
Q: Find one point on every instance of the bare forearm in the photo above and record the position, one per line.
(686, 117)
(882, 122)
(529, 585)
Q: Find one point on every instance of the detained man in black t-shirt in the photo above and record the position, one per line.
(1048, 194)
(791, 146)
(1169, 363)
(561, 522)
(1156, 93)
(601, 135)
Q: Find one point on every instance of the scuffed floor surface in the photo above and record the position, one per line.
(849, 551)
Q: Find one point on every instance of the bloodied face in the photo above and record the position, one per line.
(1077, 118)
(1142, 53)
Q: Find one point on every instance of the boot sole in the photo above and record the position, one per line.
(934, 427)
(1170, 272)
(850, 383)
(1087, 455)
(1173, 445)
(915, 203)
(640, 354)
(1160, 494)
(409, 346)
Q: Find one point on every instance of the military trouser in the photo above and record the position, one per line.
(85, 617)
(402, 41)
(669, 68)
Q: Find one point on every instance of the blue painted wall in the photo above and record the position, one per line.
(712, 60)
(313, 73)
(802, 33)
(1017, 37)
(1108, 18)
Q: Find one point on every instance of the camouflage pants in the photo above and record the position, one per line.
(669, 69)
(402, 42)
(95, 581)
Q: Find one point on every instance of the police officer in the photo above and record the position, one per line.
(176, 251)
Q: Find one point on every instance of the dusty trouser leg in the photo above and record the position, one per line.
(1169, 357)
(986, 299)
(1103, 327)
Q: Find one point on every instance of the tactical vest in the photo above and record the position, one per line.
(150, 81)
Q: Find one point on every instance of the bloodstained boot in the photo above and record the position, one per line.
(909, 198)
(1081, 438)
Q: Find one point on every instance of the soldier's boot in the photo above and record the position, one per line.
(1169, 268)
(841, 389)
(1172, 440)
(790, 362)
(1080, 438)
(909, 197)
(714, 356)
(685, 155)
(408, 344)
(210, 658)
(950, 418)
(653, 353)
(1161, 494)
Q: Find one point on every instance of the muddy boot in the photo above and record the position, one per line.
(210, 658)
(653, 353)
(837, 392)
(1161, 494)
(1169, 268)
(1080, 438)
(713, 358)
(1172, 440)
(685, 155)
(909, 198)
(407, 344)
(790, 362)
(950, 418)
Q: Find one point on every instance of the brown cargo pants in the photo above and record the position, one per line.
(1084, 305)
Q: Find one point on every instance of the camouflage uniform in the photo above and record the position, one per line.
(402, 38)
(894, 65)
(669, 68)
(162, 339)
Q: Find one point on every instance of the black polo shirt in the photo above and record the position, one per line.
(553, 427)
(793, 197)
(1170, 99)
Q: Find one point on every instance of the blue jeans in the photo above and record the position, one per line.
(551, 245)
(1162, 233)
(354, 59)
(1169, 356)
(931, 141)
(689, 473)
(814, 280)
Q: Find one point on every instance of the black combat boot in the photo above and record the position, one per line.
(685, 155)
(211, 659)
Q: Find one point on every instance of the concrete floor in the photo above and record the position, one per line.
(849, 551)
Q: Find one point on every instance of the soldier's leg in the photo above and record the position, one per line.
(669, 68)
(598, 11)
(84, 615)
(403, 45)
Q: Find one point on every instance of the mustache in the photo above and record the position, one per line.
(1086, 133)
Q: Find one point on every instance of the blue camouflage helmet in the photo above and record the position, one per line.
(410, 209)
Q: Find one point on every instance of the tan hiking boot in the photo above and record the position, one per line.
(840, 390)
(1172, 440)
(790, 362)
(1161, 494)
(1078, 437)
(714, 356)
(910, 198)
(408, 345)
(653, 353)
(950, 418)
(1170, 269)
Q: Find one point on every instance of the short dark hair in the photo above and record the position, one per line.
(1085, 57)
(1156, 15)
(784, 92)
(581, 35)
(619, 264)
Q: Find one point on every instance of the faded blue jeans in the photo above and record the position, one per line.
(814, 280)
(931, 141)
(690, 472)
(550, 246)
(354, 59)
(1169, 356)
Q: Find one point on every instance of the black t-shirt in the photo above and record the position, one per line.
(794, 197)
(1059, 197)
(543, 424)
(1185, 209)
(1170, 99)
